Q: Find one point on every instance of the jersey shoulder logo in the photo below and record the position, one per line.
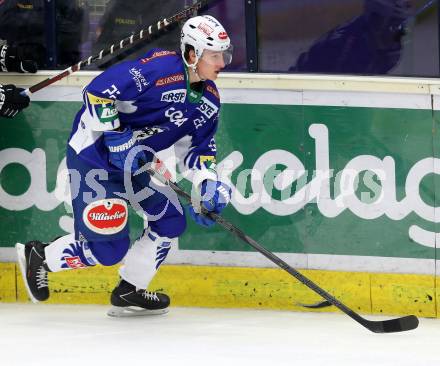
(107, 113)
(104, 108)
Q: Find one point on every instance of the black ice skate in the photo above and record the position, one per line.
(128, 301)
(33, 268)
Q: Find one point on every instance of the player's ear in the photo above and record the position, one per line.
(192, 57)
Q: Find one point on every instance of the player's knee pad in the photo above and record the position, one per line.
(170, 226)
(144, 258)
(109, 253)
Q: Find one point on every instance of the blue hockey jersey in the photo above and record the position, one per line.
(152, 96)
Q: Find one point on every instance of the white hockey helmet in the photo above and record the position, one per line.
(205, 33)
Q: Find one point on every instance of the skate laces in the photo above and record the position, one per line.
(152, 296)
(42, 278)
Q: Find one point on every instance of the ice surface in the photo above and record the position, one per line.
(84, 335)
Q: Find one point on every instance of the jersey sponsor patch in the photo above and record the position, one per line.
(207, 161)
(107, 113)
(175, 116)
(207, 107)
(213, 91)
(108, 216)
(157, 54)
(74, 262)
(172, 79)
(105, 109)
(94, 100)
(175, 96)
(138, 79)
(147, 132)
(199, 122)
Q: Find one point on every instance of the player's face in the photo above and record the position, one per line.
(210, 64)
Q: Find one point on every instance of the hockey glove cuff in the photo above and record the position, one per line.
(119, 145)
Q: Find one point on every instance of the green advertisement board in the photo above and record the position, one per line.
(347, 180)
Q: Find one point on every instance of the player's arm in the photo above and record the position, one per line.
(101, 114)
(208, 191)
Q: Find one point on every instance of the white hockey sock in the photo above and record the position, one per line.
(67, 253)
(144, 259)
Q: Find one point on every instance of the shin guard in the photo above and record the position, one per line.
(144, 259)
(67, 253)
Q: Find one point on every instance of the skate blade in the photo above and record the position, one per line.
(21, 257)
(130, 311)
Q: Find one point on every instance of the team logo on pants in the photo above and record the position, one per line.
(107, 216)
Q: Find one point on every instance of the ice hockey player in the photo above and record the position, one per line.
(164, 99)
(11, 59)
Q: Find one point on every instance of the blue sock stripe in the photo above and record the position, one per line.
(162, 253)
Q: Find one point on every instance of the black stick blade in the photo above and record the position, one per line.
(393, 325)
(317, 305)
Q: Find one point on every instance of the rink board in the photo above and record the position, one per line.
(383, 130)
(238, 287)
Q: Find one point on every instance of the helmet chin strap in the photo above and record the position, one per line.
(197, 73)
(193, 66)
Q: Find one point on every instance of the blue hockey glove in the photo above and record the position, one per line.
(119, 144)
(199, 218)
(215, 196)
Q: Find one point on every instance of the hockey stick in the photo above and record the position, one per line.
(158, 170)
(146, 33)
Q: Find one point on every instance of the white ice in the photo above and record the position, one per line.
(49, 335)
